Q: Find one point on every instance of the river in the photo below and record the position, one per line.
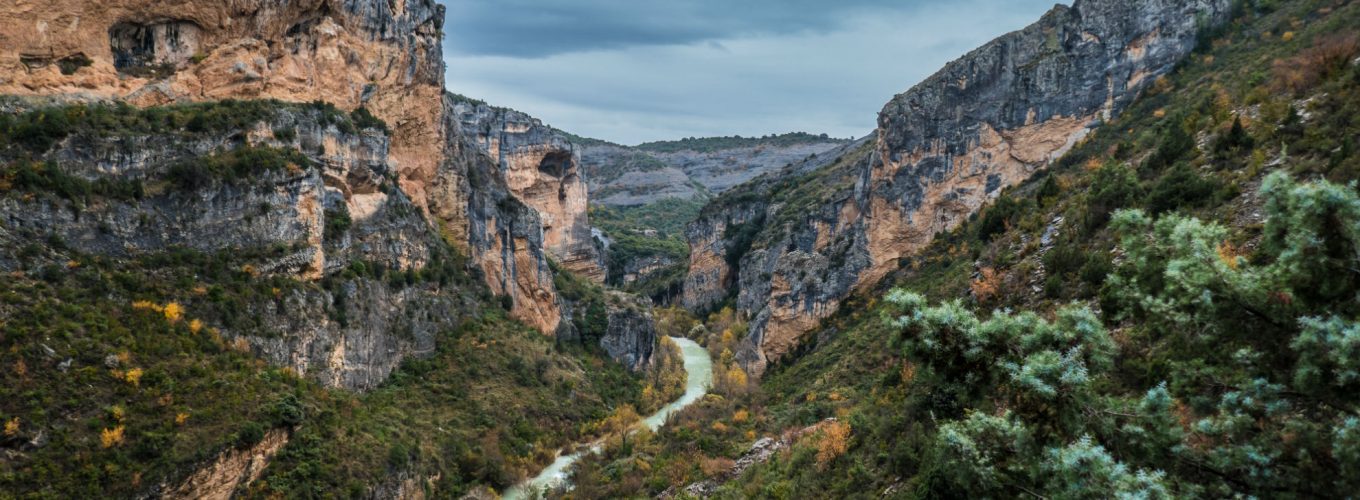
(698, 378)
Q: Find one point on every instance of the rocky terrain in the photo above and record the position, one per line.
(350, 212)
(629, 176)
(944, 148)
(380, 56)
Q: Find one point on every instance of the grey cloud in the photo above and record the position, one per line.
(539, 28)
(828, 78)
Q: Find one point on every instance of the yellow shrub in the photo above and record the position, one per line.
(12, 427)
(109, 438)
(173, 312)
(181, 418)
(741, 416)
(117, 412)
(134, 377)
(719, 427)
(195, 326)
(146, 305)
(834, 442)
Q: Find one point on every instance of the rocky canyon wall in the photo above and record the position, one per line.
(384, 56)
(541, 167)
(943, 149)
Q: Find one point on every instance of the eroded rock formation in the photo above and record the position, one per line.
(987, 121)
(381, 55)
(352, 336)
(541, 168)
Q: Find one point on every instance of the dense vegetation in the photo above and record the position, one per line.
(124, 375)
(1171, 310)
(711, 144)
(643, 236)
(25, 131)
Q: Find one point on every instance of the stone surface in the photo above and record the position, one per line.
(232, 469)
(631, 336)
(943, 149)
(541, 168)
(350, 171)
(380, 54)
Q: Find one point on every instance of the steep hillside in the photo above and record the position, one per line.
(255, 248)
(1166, 312)
(988, 120)
(384, 57)
(184, 282)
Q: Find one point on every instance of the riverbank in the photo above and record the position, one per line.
(698, 379)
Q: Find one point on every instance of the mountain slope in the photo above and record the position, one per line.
(986, 121)
(203, 291)
(1056, 346)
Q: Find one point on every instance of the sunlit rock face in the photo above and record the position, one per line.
(382, 55)
(541, 167)
(986, 121)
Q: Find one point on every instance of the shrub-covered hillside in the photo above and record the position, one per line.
(1170, 310)
(126, 368)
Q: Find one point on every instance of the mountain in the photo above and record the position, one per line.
(791, 252)
(1158, 313)
(255, 249)
(690, 168)
(231, 230)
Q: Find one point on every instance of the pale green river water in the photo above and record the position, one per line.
(698, 378)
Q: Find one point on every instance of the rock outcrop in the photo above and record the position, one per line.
(987, 121)
(351, 336)
(233, 468)
(384, 56)
(379, 54)
(631, 336)
(541, 168)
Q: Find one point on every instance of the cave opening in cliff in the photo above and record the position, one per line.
(152, 48)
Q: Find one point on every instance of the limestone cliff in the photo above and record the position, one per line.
(379, 54)
(384, 56)
(352, 335)
(541, 167)
(987, 121)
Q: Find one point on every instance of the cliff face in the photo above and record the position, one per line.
(541, 168)
(383, 55)
(987, 121)
(380, 55)
(351, 336)
(631, 336)
(990, 119)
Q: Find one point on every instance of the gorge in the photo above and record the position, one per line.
(259, 249)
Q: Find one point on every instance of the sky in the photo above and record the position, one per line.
(632, 71)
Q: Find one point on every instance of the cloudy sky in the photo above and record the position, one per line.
(631, 71)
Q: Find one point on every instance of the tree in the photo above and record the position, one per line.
(833, 443)
(1114, 186)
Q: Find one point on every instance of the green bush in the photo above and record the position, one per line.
(1181, 187)
(1113, 186)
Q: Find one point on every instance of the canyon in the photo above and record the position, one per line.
(343, 224)
(511, 197)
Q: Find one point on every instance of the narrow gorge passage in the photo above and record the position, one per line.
(698, 378)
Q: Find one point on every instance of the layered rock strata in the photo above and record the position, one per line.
(943, 149)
